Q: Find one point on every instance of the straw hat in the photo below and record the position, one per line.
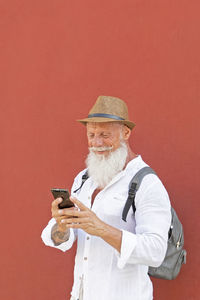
(109, 109)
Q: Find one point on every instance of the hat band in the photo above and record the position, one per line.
(106, 116)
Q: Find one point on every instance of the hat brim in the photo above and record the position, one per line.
(103, 120)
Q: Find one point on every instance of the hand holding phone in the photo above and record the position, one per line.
(64, 194)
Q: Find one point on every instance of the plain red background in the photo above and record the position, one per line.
(56, 58)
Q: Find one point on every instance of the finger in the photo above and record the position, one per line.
(75, 220)
(56, 202)
(68, 212)
(59, 219)
(76, 225)
(61, 213)
(56, 212)
(80, 205)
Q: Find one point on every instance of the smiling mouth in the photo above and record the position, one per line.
(101, 149)
(101, 152)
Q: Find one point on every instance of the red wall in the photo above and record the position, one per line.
(56, 58)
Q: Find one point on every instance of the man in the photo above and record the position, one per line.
(112, 256)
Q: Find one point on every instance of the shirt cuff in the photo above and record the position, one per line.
(127, 246)
(46, 237)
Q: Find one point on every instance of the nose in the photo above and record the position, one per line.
(97, 142)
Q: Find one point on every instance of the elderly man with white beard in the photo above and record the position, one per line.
(112, 256)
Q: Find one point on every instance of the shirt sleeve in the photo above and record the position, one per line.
(46, 233)
(148, 244)
(46, 237)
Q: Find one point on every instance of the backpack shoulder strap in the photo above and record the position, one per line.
(133, 188)
(84, 178)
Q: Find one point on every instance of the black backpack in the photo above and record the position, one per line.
(175, 255)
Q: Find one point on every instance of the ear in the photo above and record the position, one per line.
(126, 132)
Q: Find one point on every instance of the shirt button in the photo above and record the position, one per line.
(85, 258)
(89, 197)
(88, 237)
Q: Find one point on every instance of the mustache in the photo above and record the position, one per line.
(100, 149)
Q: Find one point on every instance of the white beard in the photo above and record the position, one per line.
(103, 169)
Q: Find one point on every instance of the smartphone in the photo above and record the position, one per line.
(64, 194)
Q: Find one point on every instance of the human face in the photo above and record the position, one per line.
(104, 135)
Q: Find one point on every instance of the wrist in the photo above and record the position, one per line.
(112, 236)
(59, 236)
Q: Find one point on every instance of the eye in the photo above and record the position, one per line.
(105, 135)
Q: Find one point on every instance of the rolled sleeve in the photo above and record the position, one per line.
(127, 246)
(148, 245)
(46, 233)
(46, 237)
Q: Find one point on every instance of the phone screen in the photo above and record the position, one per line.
(64, 194)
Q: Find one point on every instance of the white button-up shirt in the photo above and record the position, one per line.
(107, 274)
